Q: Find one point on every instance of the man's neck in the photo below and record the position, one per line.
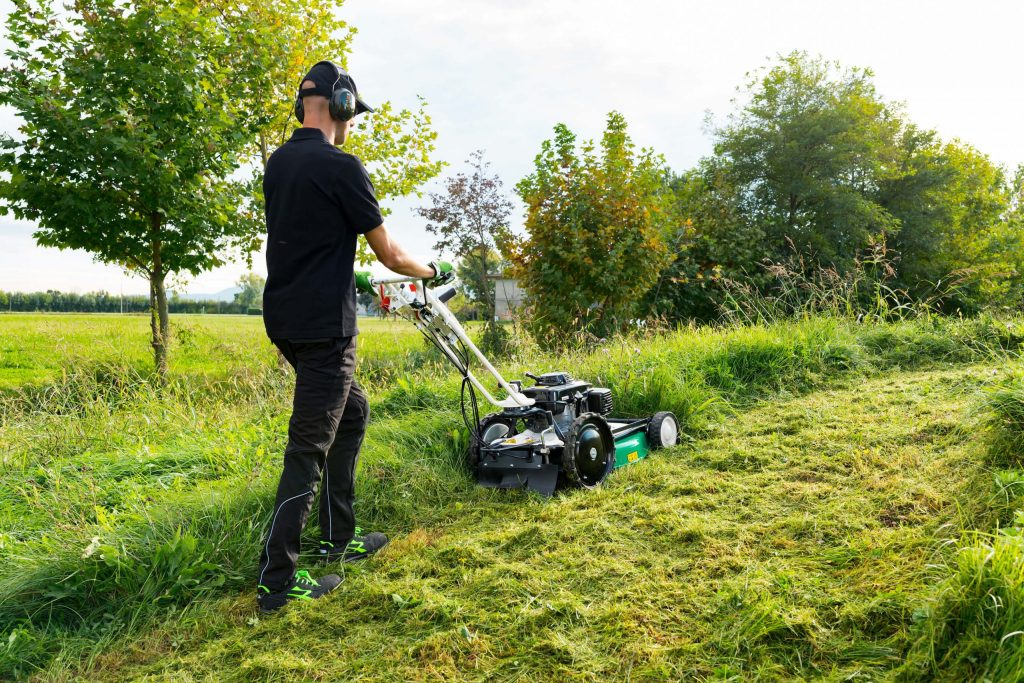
(326, 128)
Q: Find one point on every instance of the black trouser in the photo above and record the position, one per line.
(329, 416)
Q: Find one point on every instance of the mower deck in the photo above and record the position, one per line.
(504, 466)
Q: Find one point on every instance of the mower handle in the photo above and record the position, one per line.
(375, 281)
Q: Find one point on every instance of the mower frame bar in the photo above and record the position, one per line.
(436, 306)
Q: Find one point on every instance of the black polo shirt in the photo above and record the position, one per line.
(318, 199)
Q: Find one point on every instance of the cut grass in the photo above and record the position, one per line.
(792, 543)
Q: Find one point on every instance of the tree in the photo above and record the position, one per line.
(950, 203)
(711, 242)
(813, 160)
(597, 223)
(807, 151)
(471, 220)
(131, 137)
(139, 116)
(251, 295)
(468, 270)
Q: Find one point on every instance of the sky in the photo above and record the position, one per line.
(498, 75)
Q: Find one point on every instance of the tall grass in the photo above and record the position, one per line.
(801, 287)
(973, 627)
(1005, 403)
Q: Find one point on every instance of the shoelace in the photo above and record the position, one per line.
(302, 576)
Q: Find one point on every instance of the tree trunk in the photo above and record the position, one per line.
(264, 152)
(485, 290)
(159, 320)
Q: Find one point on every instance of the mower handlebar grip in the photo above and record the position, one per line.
(446, 294)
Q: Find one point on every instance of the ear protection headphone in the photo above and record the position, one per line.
(341, 104)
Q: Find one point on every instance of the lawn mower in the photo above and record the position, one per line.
(556, 431)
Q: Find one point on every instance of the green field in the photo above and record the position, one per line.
(37, 348)
(813, 525)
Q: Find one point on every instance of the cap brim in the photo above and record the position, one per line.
(363, 107)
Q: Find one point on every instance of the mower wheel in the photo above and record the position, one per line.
(492, 427)
(589, 453)
(663, 430)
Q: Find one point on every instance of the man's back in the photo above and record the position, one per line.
(318, 199)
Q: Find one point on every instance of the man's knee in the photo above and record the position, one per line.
(357, 408)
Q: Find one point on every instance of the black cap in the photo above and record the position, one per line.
(329, 77)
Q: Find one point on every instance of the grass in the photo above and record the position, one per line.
(39, 348)
(971, 626)
(797, 549)
(1005, 404)
(791, 538)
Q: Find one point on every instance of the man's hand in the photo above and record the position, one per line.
(363, 282)
(443, 273)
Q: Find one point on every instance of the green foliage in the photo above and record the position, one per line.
(815, 167)
(280, 41)
(950, 203)
(469, 268)
(252, 291)
(597, 225)
(105, 302)
(807, 148)
(130, 133)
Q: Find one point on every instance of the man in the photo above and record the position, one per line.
(318, 199)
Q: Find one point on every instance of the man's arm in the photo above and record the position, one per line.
(393, 257)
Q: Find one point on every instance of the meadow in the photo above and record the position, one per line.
(843, 506)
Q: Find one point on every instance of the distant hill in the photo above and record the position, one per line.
(226, 295)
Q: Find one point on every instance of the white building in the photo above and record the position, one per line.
(508, 296)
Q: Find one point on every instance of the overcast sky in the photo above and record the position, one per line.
(499, 75)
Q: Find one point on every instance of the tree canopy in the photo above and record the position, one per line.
(131, 137)
(815, 166)
(597, 222)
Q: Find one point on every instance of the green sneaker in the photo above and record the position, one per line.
(304, 587)
(358, 548)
